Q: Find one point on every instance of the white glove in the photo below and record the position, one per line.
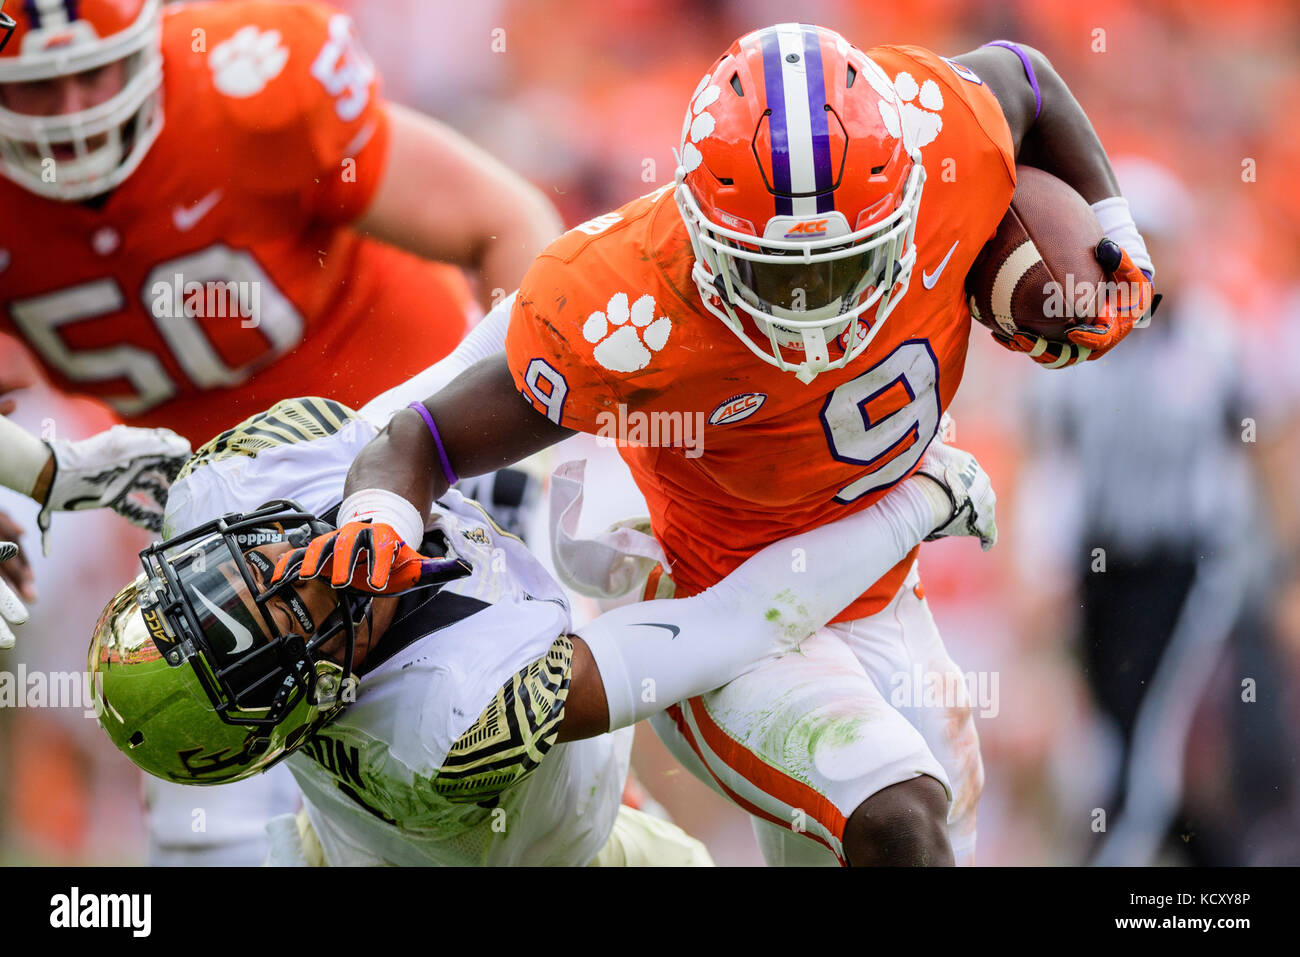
(12, 611)
(969, 489)
(126, 469)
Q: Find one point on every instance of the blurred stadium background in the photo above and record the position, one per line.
(1183, 453)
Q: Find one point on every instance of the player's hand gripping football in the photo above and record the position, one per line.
(370, 558)
(1116, 316)
(12, 611)
(967, 484)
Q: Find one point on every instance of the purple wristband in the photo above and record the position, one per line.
(1029, 70)
(447, 470)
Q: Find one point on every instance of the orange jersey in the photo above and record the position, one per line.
(222, 275)
(609, 336)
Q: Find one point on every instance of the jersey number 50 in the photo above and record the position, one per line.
(229, 273)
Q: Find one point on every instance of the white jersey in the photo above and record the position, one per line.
(444, 757)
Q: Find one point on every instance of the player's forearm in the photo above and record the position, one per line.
(652, 654)
(480, 424)
(401, 459)
(1063, 142)
(444, 198)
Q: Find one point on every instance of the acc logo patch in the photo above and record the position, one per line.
(157, 630)
(738, 407)
(816, 227)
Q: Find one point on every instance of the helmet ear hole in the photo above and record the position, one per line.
(136, 739)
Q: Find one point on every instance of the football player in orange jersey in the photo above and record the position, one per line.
(207, 207)
(243, 147)
(770, 296)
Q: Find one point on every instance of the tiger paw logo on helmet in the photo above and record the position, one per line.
(244, 64)
(626, 337)
(699, 123)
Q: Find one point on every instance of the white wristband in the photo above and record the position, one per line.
(24, 458)
(1117, 224)
(382, 506)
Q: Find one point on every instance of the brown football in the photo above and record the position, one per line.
(1039, 272)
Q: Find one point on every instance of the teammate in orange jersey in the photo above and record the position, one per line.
(208, 207)
(799, 292)
(245, 143)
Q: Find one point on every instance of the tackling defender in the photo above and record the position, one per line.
(456, 719)
(265, 670)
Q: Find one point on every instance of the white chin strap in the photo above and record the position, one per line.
(816, 356)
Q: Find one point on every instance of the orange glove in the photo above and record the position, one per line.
(369, 558)
(1053, 355)
(1116, 316)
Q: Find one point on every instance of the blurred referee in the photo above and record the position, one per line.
(1167, 555)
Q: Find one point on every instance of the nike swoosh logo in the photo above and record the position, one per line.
(928, 279)
(186, 218)
(243, 637)
(655, 624)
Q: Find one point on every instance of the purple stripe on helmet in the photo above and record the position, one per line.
(33, 15)
(776, 124)
(72, 6)
(821, 134)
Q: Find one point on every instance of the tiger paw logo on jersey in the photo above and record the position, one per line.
(699, 122)
(921, 122)
(244, 64)
(626, 337)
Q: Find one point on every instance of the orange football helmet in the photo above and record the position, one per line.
(799, 184)
(75, 155)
